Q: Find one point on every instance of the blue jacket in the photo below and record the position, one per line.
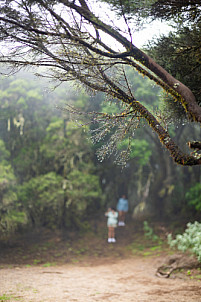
(122, 205)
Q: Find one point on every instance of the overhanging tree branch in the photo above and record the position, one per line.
(186, 96)
(71, 42)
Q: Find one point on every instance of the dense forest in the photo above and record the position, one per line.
(57, 172)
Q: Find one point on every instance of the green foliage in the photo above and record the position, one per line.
(53, 150)
(119, 131)
(4, 153)
(83, 191)
(84, 183)
(42, 198)
(12, 220)
(181, 12)
(190, 240)
(179, 54)
(149, 232)
(6, 171)
(193, 196)
(49, 264)
(5, 297)
(131, 8)
(56, 124)
(35, 163)
(110, 108)
(11, 216)
(23, 98)
(144, 89)
(139, 149)
(6, 174)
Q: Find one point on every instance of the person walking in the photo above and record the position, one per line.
(122, 208)
(112, 220)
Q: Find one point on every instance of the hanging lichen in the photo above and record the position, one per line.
(19, 123)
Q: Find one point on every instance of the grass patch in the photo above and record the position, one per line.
(147, 248)
(148, 253)
(135, 247)
(48, 264)
(81, 250)
(6, 297)
(75, 261)
(36, 261)
(156, 248)
(197, 277)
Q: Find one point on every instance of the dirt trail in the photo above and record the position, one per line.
(54, 267)
(128, 280)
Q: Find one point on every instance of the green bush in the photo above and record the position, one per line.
(42, 198)
(193, 196)
(189, 240)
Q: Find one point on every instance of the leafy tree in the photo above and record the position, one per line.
(68, 36)
(25, 112)
(42, 198)
(179, 53)
(12, 215)
(84, 195)
(68, 151)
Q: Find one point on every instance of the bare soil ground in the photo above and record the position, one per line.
(124, 280)
(52, 268)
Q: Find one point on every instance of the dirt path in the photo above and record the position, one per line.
(126, 280)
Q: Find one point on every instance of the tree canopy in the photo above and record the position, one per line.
(181, 11)
(76, 42)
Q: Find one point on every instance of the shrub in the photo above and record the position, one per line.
(189, 240)
(193, 196)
